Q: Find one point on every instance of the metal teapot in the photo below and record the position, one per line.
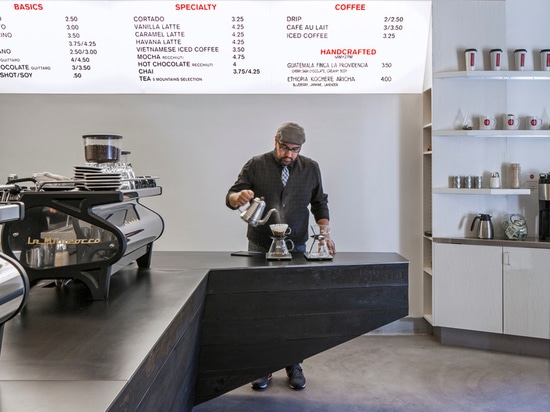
(485, 229)
(253, 214)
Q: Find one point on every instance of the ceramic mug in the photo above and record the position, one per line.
(487, 122)
(534, 122)
(511, 122)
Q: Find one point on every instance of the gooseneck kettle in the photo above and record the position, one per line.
(485, 227)
(253, 214)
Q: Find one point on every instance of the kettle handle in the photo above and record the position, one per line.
(474, 221)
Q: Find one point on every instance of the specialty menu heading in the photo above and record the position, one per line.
(229, 47)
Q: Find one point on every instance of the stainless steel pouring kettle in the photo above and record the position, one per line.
(253, 214)
(485, 228)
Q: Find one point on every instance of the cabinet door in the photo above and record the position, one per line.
(527, 292)
(468, 287)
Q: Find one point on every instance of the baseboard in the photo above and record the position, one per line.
(518, 345)
(405, 326)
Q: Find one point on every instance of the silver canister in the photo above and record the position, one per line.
(478, 182)
(467, 182)
(457, 182)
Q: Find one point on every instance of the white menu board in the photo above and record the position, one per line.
(265, 47)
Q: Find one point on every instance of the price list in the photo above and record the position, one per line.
(213, 47)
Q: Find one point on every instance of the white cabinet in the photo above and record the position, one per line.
(492, 289)
(468, 287)
(526, 279)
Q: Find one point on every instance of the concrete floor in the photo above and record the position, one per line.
(410, 373)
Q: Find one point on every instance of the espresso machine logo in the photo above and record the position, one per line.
(52, 241)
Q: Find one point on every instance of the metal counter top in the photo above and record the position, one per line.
(66, 352)
(529, 242)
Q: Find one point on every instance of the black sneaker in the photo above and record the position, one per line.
(261, 383)
(296, 378)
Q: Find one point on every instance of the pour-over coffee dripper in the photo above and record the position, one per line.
(279, 249)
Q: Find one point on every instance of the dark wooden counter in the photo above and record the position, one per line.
(185, 330)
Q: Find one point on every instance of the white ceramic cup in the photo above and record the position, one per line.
(487, 122)
(470, 56)
(511, 122)
(534, 122)
(545, 59)
(520, 55)
(496, 59)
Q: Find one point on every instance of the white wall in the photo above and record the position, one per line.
(368, 147)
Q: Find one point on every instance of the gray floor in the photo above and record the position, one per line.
(402, 373)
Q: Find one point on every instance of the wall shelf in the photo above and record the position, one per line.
(498, 192)
(492, 133)
(494, 75)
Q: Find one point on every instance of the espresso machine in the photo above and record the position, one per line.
(14, 284)
(544, 206)
(87, 227)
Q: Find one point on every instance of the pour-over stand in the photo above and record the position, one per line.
(321, 252)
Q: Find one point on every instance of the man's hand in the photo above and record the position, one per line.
(241, 198)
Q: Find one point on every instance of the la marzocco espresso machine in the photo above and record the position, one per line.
(86, 228)
(14, 284)
(544, 206)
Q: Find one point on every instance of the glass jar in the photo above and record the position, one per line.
(102, 148)
(124, 167)
(515, 171)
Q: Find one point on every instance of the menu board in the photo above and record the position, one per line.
(229, 47)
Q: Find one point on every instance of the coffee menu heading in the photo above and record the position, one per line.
(229, 47)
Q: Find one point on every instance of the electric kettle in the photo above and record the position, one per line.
(485, 228)
(253, 214)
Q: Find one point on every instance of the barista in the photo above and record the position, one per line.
(289, 183)
(263, 176)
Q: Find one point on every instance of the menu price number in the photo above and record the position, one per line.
(386, 79)
(238, 49)
(246, 71)
(392, 24)
(393, 19)
(78, 47)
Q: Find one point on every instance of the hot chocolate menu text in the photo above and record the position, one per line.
(268, 47)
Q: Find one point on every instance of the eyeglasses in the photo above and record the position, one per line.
(284, 148)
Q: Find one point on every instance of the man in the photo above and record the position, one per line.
(290, 183)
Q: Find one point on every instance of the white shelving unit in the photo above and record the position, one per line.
(449, 150)
(427, 243)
